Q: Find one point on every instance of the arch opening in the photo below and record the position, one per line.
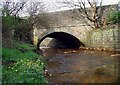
(63, 40)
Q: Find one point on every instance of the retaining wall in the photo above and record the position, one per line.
(104, 38)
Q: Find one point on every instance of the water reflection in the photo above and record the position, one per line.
(81, 66)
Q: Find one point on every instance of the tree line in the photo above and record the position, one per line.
(17, 25)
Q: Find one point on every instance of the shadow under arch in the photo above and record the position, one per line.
(68, 40)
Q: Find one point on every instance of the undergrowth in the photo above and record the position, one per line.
(22, 65)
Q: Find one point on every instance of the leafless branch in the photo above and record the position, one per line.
(13, 8)
(93, 13)
(34, 9)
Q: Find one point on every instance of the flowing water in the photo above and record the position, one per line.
(80, 66)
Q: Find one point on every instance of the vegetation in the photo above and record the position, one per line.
(114, 17)
(18, 28)
(20, 62)
(22, 65)
(10, 22)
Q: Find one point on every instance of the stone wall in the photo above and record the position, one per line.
(104, 38)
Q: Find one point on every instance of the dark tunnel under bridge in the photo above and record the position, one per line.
(65, 40)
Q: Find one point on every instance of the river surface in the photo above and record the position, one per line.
(80, 66)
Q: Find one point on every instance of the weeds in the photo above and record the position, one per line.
(26, 66)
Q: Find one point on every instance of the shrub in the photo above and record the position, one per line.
(10, 54)
(10, 21)
(24, 71)
(15, 55)
(21, 65)
(24, 46)
(20, 51)
(114, 17)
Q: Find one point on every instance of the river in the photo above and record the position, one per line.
(80, 66)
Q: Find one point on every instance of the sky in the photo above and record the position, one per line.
(54, 5)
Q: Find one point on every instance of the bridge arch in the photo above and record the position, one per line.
(67, 39)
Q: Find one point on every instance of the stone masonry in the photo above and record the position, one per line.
(69, 23)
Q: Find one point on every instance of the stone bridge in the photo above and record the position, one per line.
(68, 29)
(70, 37)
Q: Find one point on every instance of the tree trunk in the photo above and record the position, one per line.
(96, 24)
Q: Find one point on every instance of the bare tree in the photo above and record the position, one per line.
(92, 10)
(34, 9)
(12, 8)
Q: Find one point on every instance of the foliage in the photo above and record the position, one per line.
(15, 55)
(15, 26)
(22, 65)
(23, 30)
(5, 11)
(24, 71)
(114, 17)
(10, 54)
(21, 51)
(10, 21)
(24, 46)
(20, 62)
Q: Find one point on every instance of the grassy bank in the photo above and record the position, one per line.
(22, 65)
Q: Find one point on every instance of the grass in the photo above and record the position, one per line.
(22, 65)
(24, 46)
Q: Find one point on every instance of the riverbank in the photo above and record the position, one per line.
(21, 64)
